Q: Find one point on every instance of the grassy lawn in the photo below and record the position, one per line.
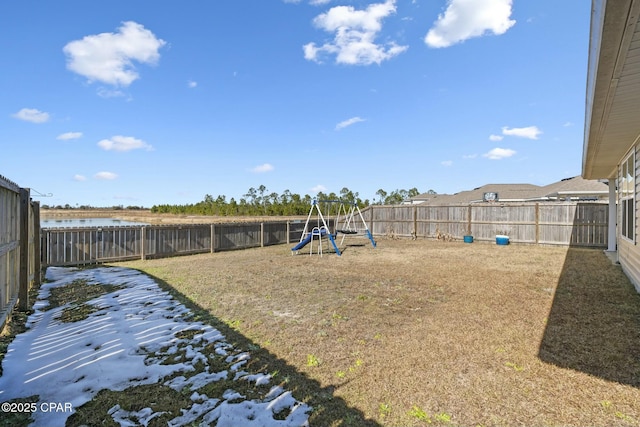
(427, 332)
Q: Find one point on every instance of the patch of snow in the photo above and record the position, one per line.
(122, 344)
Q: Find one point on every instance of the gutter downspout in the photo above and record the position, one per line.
(613, 215)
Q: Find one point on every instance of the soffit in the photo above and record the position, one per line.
(613, 87)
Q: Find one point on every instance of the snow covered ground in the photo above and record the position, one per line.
(121, 345)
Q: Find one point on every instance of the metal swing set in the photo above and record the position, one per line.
(347, 221)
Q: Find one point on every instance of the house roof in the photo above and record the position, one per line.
(576, 186)
(613, 86)
(569, 187)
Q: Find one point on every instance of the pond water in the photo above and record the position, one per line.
(86, 222)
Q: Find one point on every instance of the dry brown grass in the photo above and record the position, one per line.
(419, 332)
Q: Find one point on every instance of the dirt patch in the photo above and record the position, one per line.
(419, 332)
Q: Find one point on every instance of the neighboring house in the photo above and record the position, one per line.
(572, 189)
(612, 121)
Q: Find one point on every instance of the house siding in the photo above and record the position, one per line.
(629, 251)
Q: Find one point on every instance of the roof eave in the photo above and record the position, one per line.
(612, 28)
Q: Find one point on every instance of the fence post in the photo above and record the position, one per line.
(23, 268)
(143, 239)
(469, 220)
(288, 232)
(37, 242)
(371, 207)
(262, 234)
(213, 238)
(537, 223)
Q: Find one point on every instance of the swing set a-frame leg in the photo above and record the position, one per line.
(333, 242)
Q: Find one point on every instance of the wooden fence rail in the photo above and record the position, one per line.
(553, 223)
(579, 224)
(19, 247)
(89, 245)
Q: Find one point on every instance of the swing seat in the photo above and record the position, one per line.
(347, 231)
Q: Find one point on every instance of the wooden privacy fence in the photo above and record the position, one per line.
(19, 247)
(561, 223)
(88, 245)
(553, 223)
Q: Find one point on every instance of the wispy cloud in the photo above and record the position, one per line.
(123, 143)
(104, 92)
(446, 163)
(31, 115)
(465, 19)
(499, 153)
(469, 156)
(108, 176)
(79, 178)
(267, 167)
(319, 188)
(349, 122)
(355, 32)
(191, 84)
(69, 135)
(109, 57)
(531, 132)
(496, 138)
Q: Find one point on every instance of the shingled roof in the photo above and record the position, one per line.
(574, 187)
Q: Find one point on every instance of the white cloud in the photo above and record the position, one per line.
(123, 143)
(263, 168)
(465, 19)
(109, 57)
(192, 84)
(110, 93)
(319, 188)
(106, 175)
(79, 178)
(496, 137)
(31, 115)
(446, 163)
(499, 153)
(469, 156)
(355, 32)
(349, 122)
(530, 132)
(69, 135)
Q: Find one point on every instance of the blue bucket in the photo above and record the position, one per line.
(502, 240)
(468, 239)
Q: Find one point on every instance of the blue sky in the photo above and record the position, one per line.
(147, 102)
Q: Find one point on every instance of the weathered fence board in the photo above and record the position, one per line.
(89, 245)
(19, 246)
(554, 223)
(582, 224)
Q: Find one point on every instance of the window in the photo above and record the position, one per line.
(626, 194)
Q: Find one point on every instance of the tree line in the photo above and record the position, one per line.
(260, 202)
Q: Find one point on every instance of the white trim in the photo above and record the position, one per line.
(612, 244)
(626, 193)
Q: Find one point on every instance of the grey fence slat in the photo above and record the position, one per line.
(78, 246)
(580, 224)
(19, 246)
(555, 223)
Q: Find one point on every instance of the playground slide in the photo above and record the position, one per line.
(302, 244)
(307, 239)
